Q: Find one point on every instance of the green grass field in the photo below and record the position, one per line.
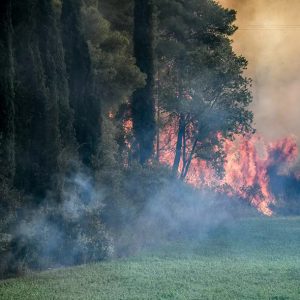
(251, 259)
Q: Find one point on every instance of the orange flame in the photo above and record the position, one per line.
(246, 166)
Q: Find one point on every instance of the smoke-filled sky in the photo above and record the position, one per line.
(269, 37)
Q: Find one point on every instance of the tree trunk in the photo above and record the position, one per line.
(157, 137)
(187, 165)
(143, 106)
(157, 118)
(83, 99)
(180, 137)
(184, 148)
(7, 109)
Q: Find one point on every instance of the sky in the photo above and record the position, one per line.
(269, 37)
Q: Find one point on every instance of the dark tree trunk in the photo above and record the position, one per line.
(7, 109)
(179, 144)
(83, 101)
(36, 122)
(43, 122)
(143, 106)
(187, 164)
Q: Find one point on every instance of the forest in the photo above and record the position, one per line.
(116, 119)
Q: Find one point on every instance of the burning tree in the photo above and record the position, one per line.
(203, 103)
(202, 88)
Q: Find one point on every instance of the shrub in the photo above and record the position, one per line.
(59, 234)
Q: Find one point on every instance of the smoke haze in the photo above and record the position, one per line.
(268, 37)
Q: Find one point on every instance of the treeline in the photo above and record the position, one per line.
(61, 65)
(73, 72)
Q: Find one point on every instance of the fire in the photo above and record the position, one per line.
(247, 162)
(128, 126)
(246, 166)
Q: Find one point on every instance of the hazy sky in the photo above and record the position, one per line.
(269, 37)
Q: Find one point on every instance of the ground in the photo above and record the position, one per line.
(249, 259)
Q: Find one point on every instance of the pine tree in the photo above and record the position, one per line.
(202, 80)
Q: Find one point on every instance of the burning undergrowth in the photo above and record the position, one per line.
(246, 161)
(246, 166)
(136, 207)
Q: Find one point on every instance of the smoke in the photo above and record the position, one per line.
(178, 211)
(62, 233)
(268, 38)
(70, 232)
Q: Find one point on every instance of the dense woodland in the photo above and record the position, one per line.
(73, 72)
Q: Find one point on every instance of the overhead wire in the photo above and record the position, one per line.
(270, 27)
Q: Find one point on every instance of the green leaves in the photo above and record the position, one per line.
(200, 76)
(116, 75)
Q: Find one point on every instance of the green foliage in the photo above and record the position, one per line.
(116, 75)
(11, 202)
(43, 122)
(119, 13)
(83, 99)
(201, 80)
(68, 233)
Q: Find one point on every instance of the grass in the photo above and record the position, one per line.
(250, 259)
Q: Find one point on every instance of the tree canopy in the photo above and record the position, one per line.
(201, 79)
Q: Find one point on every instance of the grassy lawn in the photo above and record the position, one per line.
(250, 259)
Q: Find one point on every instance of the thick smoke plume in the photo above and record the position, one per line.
(268, 38)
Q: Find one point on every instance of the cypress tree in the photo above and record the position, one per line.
(119, 13)
(7, 110)
(32, 174)
(143, 109)
(43, 114)
(86, 106)
(59, 134)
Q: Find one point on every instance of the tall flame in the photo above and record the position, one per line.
(246, 166)
(247, 162)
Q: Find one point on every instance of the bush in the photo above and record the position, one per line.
(59, 234)
(9, 205)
